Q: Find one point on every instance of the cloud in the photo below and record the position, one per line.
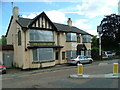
(95, 8)
(54, 15)
(82, 24)
(31, 15)
(57, 16)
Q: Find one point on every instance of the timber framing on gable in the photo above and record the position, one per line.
(42, 22)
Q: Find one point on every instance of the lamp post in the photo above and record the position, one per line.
(99, 30)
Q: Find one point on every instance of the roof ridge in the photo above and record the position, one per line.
(62, 24)
(25, 18)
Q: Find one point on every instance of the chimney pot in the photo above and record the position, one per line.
(69, 22)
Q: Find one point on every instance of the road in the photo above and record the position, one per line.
(60, 78)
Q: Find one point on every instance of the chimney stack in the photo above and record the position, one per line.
(69, 22)
(15, 12)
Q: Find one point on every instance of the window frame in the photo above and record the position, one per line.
(19, 38)
(63, 55)
(86, 39)
(71, 37)
(37, 37)
(38, 53)
(78, 39)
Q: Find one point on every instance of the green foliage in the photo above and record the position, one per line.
(3, 40)
(95, 53)
(94, 41)
(111, 32)
(95, 48)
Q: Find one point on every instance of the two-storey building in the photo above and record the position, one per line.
(39, 42)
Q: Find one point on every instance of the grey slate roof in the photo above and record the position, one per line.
(66, 28)
(24, 22)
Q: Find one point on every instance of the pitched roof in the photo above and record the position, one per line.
(67, 28)
(25, 23)
(9, 25)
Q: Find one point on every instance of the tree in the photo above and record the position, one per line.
(95, 41)
(95, 48)
(3, 40)
(111, 32)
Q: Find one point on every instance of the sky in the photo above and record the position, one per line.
(85, 14)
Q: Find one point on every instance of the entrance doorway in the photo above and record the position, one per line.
(81, 48)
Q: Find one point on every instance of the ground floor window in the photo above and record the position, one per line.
(56, 55)
(88, 53)
(71, 54)
(43, 54)
(63, 55)
(82, 53)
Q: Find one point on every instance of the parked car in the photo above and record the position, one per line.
(2, 69)
(80, 59)
(109, 54)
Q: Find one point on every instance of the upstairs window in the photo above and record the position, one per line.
(86, 38)
(41, 36)
(78, 39)
(19, 38)
(71, 37)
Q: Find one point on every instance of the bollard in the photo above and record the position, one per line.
(115, 68)
(80, 69)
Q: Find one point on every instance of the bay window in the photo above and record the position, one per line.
(71, 37)
(86, 38)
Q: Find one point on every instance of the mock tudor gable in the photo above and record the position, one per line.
(42, 22)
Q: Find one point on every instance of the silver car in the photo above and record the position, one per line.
(80, 59)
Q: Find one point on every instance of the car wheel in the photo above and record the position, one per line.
(78, 63)
(90, 61)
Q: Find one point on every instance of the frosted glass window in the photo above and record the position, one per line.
(41, 36)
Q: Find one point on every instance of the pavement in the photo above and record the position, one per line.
(102, 75)
(18, 72)
(110, 75)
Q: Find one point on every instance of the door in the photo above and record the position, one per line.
(8, 59)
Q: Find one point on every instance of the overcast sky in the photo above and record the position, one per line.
(85, 14)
